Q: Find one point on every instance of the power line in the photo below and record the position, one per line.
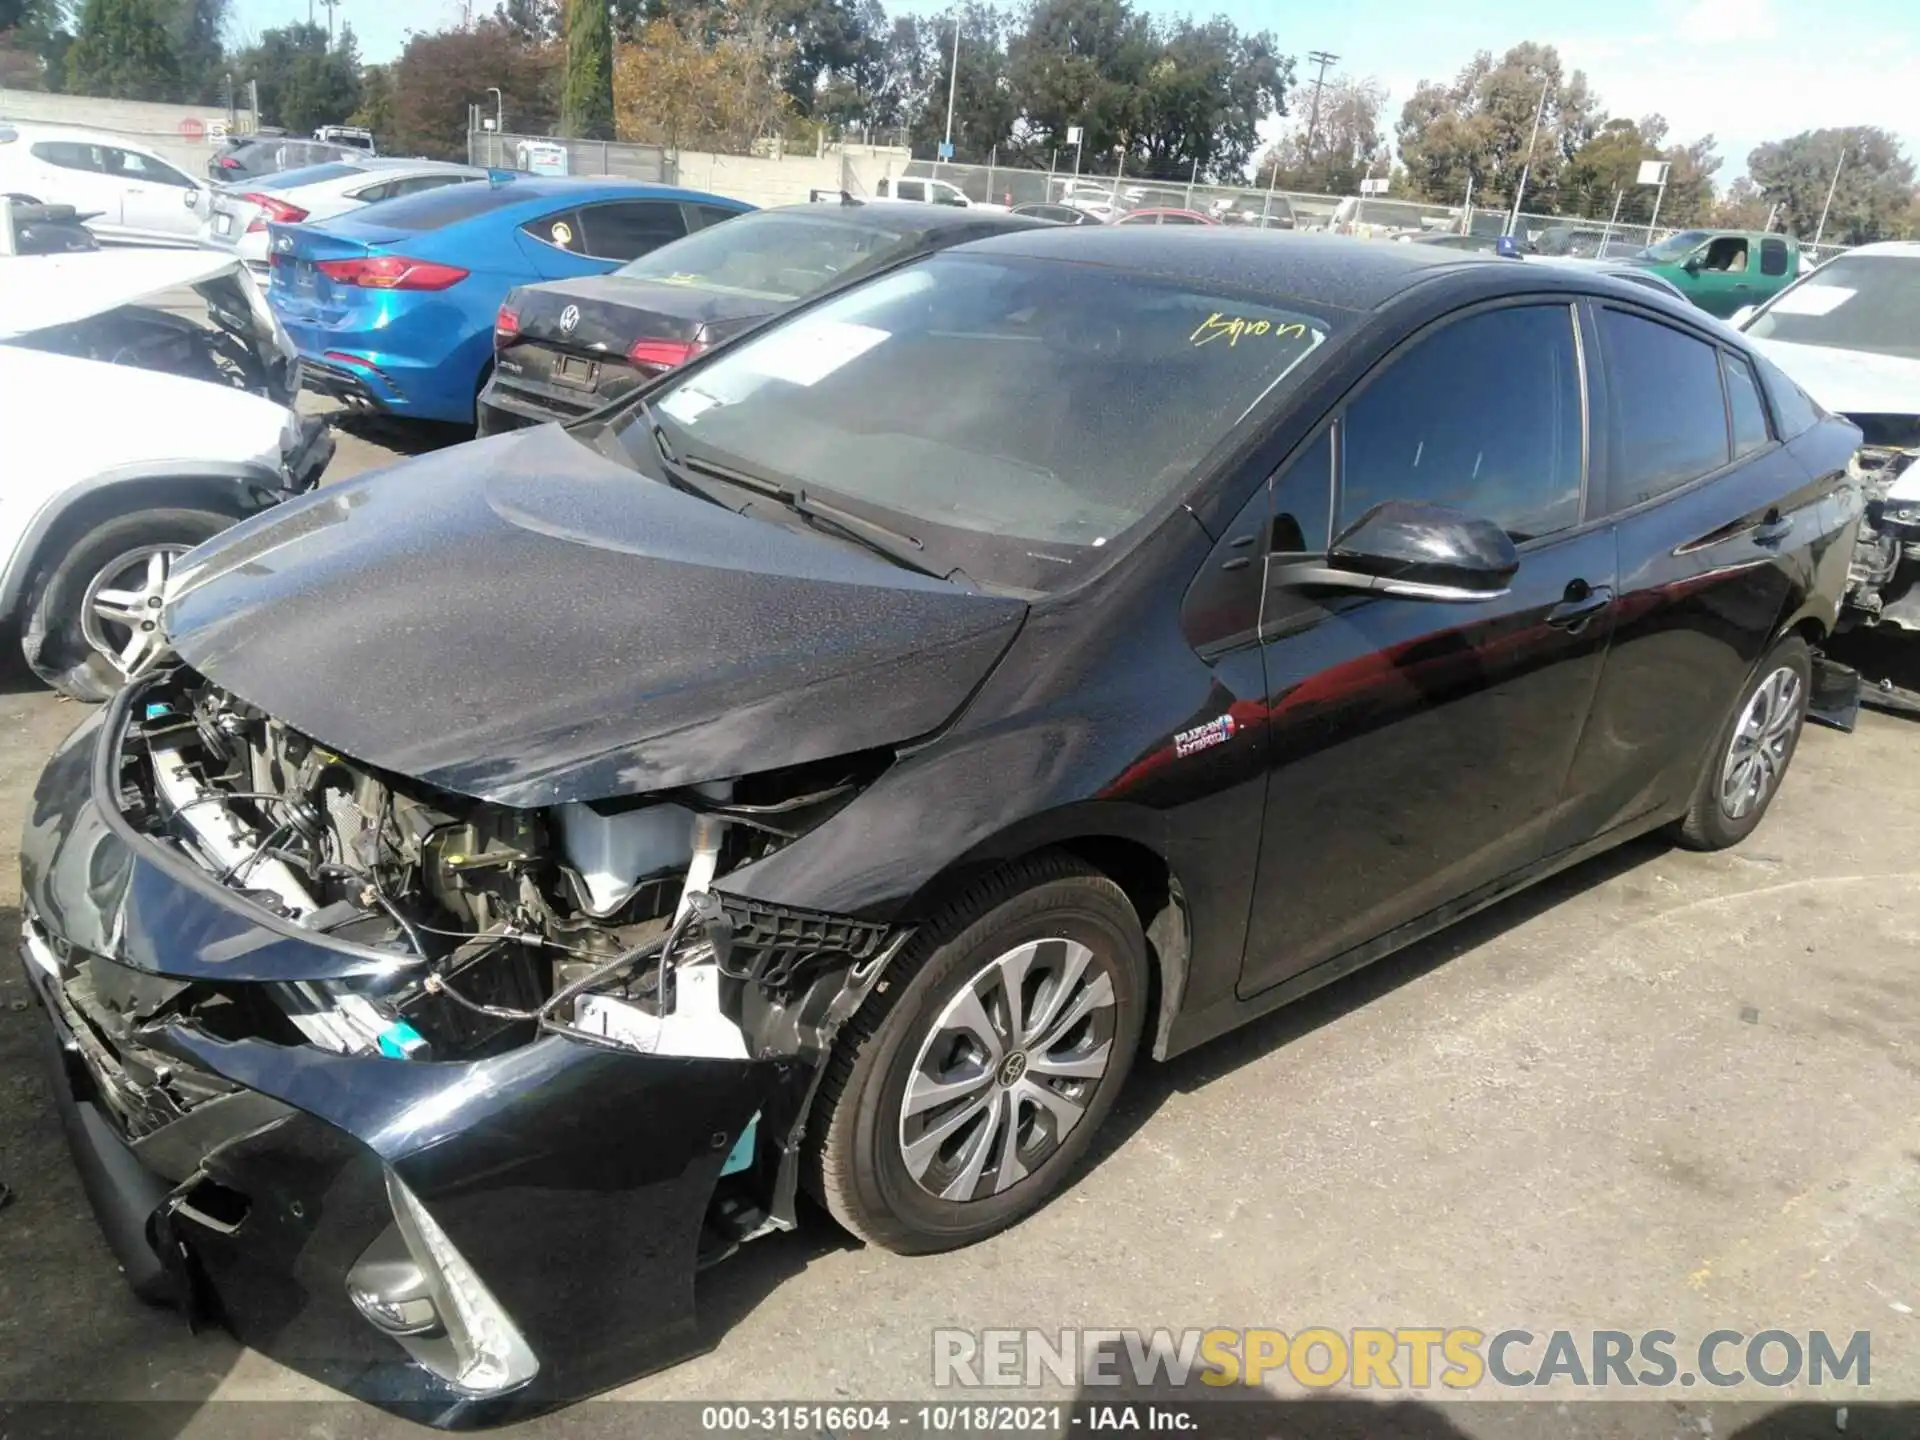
(1323, 59)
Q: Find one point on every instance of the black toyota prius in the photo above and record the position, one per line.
(524, 871)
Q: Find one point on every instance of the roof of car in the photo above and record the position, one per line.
(1334, 269)
(1901, 249)
(914, 215)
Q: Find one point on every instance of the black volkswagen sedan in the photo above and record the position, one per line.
(525, 870)
(567, 347)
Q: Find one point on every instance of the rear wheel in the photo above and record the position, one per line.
(94, 612)
(1750, 757)
(962, 1097)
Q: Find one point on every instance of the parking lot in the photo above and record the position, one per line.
(1662, 1090)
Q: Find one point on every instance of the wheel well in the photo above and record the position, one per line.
(188, 492)
(1809, 629)
(1154, 891)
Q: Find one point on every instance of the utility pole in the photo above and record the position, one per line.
(953, 88)
(1831, 187)
(1323, 59)
(1520, 193)
(330, 6)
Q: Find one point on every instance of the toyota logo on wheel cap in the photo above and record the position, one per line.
(569, 318)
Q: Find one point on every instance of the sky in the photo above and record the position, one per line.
(1745, 70)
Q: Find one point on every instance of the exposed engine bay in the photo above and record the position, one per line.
(598, 920)
(1886, 558)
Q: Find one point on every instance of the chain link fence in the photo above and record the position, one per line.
(553, 155)
(1377, 217)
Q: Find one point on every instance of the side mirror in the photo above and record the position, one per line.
(1693, 264)
(1416, 552)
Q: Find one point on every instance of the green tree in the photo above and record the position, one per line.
(121, 49)
(1348, 145)
(532, 21)
(376, 102)
(1478, 128)
(439, 75)
(195, 31)
(586, 94)
(34, 38)
(1871, 200)
(304, 81)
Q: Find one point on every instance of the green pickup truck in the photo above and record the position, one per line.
(1722, 271)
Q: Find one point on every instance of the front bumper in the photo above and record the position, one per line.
(575, 1180)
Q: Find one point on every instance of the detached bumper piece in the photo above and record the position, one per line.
(1838, 694)
(307, 461)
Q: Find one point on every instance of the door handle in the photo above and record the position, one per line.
(1772, 530)
(1583, 602)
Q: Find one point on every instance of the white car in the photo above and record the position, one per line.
(1849, 334)
(113, 463)
(239, 214)
(133, 194)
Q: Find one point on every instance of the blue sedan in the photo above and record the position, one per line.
(393, 306)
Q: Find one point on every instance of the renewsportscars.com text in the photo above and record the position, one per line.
(1400, 1358)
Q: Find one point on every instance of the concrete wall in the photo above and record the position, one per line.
(787, 180)
(179, 133)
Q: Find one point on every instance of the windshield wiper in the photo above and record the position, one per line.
(672, 467)
(902, 549)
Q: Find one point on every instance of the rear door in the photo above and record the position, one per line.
(1713, 517)
(74, 173)
(1418, 748)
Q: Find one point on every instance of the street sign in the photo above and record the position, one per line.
(217, 131)
(1074, 132)
(1375, 187)
(946, 149)
(1653, 172)
(193, 129)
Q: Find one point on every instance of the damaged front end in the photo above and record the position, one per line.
(439, 1100)
(1886, 558)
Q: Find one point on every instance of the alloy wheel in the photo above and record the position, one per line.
(1757, 756)
(120, 613)
(1007, 1070)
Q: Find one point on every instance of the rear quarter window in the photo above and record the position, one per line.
(1794, 411)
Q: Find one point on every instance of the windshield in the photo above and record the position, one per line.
(772, 255)
(1013, 415)
(1675, 247)
(1858, 302)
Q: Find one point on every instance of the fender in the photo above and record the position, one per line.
(236, 487)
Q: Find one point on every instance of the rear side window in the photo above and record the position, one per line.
(1794, 411)
(1773, 257)
(67, 155)
(628, 229)
(706, 215)
(1483, 415)
(563, 231)
(1744, 407)
(451, 204)
(1668, 418)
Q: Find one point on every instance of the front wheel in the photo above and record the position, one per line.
(961, 1097)
(1754, 748)
(94, 613)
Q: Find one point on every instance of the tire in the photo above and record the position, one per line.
(65, 640)
(1064, 928)
(1765, 724)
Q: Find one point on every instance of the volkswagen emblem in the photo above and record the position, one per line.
(569, 318)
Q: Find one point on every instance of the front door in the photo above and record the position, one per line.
(1418, 748)
(154, 203)
(1728, 275)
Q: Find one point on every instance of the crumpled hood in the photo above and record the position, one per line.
(1848, 382)
(522, 620)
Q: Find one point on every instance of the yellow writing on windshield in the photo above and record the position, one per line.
(1235, 328)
